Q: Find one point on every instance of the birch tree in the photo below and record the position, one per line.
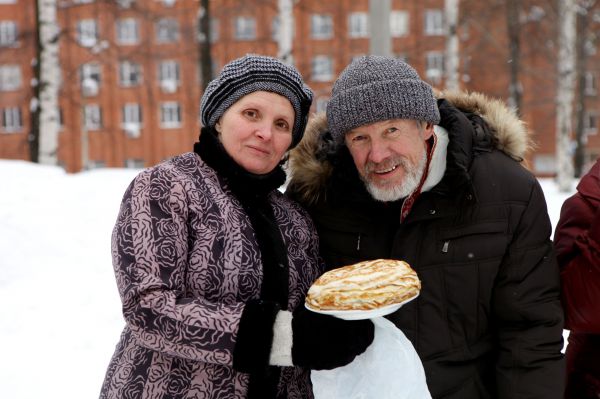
(565, 93)
(45, 123)
(452, 57)
(584, 31)
(285, 33)
(513, 28)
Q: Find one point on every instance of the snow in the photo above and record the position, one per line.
(60, 313)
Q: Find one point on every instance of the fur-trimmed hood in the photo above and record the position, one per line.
(309, 170)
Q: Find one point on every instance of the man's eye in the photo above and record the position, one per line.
(392, 130)
(358, 139)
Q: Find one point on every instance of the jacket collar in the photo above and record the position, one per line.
(316, 163)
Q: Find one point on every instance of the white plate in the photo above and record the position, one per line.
(362, 314)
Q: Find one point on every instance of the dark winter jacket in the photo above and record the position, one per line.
(577, 241)
(186, 258)
(488, 321)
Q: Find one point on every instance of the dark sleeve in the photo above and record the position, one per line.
(578, 246)
(527, 309)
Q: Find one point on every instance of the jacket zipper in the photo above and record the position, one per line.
(445, 246)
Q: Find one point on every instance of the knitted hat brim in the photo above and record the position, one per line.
(379, 101)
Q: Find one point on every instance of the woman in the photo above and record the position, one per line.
(577, 241)
(213, 263)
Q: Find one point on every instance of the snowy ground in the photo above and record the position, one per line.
(60, 311)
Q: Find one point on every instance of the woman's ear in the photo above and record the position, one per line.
(218, 127)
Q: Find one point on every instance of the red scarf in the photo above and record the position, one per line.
(410, 200)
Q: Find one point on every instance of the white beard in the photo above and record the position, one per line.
(409, 184)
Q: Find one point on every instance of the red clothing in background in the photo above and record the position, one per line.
(577, 241)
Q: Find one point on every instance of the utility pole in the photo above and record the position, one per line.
(285, 34)
(49, 74)
(565, 92)
(379, 24)
(451, 8)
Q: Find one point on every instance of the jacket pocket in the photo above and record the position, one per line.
(341, 242)
(471, 243)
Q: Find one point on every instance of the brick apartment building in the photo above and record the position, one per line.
(130, 85)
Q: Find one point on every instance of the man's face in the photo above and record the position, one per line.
(390, 156)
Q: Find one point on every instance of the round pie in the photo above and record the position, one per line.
(364, 286)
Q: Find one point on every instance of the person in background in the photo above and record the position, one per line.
(577, 242)
(213, 263)
(389, 172)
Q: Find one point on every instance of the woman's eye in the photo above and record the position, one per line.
(283, 125)
(251, 113)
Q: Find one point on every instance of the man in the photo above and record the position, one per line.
(381, 179)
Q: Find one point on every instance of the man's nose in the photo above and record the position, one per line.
(379, 151)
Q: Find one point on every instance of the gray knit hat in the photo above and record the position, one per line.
(257, 73)
(375, 88)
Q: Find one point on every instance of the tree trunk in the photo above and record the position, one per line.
(46, 125)
(205, 44)
(565, 92)
(285, 35)
(580, 108)
(452, 58)
(513, 25)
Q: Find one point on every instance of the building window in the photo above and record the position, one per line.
(544, 164)
(434, 66)
(92, 117)
(590, 122)
(132, 119)
(589, 46)
(10, 77)
(168, 76)
(590, 84)
(434, 22)
(89, 75)
(245, 28)
(125, 3)
(11, 120)
(127, 31)
(8, 34)
(322, 68)
(134, 163)
(321, 26)
(96, 164)
(132, 113)
(167, 30)
(130, 74)
(358, 24)
(321, 105)
(170, 115)
(399, 23)
(87, 32)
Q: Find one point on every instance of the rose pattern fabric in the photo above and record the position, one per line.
(186, 259)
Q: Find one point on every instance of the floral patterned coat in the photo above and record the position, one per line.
(186, 260)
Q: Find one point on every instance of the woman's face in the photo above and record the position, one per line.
(256, 130)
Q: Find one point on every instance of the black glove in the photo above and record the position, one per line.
(326, 342)
(318, 341)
